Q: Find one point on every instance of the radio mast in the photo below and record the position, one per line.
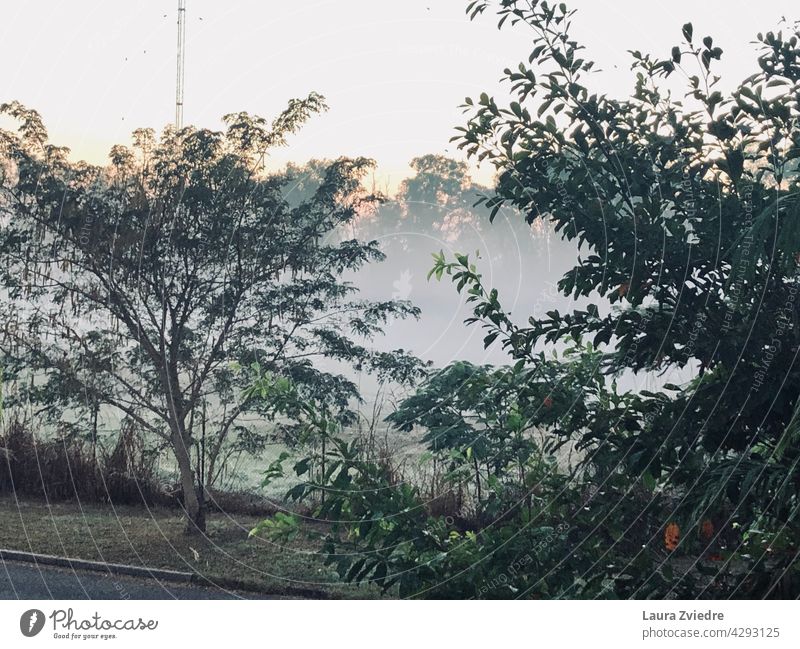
(181, 61)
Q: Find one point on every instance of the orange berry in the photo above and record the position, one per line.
(672, 534)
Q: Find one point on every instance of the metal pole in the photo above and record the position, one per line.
(181, 60)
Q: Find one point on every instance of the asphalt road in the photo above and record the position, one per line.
(29, 581)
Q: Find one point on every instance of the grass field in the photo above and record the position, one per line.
(154, 538)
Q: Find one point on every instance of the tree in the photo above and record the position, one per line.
(673, 203)
(686, 212)
(158, 285)
(437, 180)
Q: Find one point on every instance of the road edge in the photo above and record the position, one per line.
(160, 574)
(96, 566)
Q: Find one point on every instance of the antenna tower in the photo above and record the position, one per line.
(181, 61)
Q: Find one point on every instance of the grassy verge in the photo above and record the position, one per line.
(154, 538)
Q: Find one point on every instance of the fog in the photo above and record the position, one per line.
(523, 262)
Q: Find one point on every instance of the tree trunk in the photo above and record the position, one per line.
(477, 477)
(322, 478)
(196, 523)
(95, 410)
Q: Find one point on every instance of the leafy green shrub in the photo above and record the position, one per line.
(686, 213)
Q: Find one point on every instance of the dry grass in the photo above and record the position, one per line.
(155, 538)
(64, 467)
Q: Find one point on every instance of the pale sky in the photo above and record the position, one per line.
(393, 73)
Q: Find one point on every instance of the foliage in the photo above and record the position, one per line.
(146, 286)
(577, 545)
(685, 212)
(686, 209)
